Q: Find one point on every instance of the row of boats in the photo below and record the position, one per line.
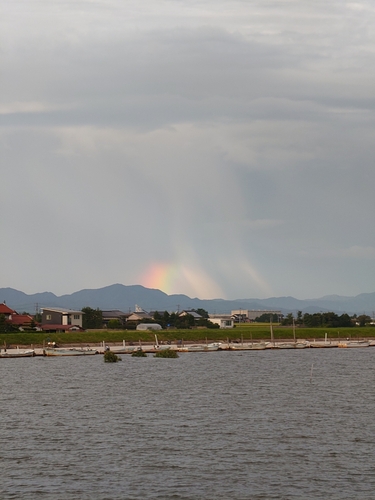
(48, 351)
(256, 346)
(214, 346)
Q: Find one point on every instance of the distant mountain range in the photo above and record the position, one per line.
(125, 298)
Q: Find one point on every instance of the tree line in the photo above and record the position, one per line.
(174, 320)
(315, 320)
(93, 319)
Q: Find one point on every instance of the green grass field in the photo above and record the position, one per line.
(246, 331)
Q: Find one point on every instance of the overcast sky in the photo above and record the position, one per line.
(214, 148)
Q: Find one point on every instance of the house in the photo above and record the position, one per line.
(7, 311)
(114, 315)
(22, 321)
(59, 319)
(224, 321)
(195, 315)
(139, 314)
(12, 317)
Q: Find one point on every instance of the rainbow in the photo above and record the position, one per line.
(193, 280)
(161, 276)
(176, 278)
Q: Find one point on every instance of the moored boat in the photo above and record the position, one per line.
(126, 350)
(215, 346)
(292, 345)
(323, 344)
(259, 346)
(160, 347)
(302, 345)
(284, 345)
(18, 353)
(256, 346)
(354, 343)
(68, 351)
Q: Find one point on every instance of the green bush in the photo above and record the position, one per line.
(166, 353)
(114, 324)
(111, 357)
(139, 354)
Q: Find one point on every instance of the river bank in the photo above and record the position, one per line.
(251, 332)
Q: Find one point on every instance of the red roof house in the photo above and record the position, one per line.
(12, 317)
(22, 319)
(7, 311)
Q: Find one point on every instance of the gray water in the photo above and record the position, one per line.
(221, 425)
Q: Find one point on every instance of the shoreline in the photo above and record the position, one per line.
(121, 348)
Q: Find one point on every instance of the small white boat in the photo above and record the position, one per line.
(302, 345)
(284, 345)
(215, 346)
(354, 343)
(257, 346)
(195, 348)
(291, 345)
(238, 347)
(296, 344)
(126, 350)
(18, 353)
(68, 351)
(160, 347)
(321, 344)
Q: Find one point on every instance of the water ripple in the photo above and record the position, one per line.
(206, 426)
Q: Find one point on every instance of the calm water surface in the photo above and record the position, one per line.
(222, 425)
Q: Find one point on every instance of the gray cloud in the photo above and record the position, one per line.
(228, 144)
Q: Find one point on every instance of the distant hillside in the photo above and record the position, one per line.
(126, 297)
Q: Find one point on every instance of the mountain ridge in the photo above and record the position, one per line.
(125, 297)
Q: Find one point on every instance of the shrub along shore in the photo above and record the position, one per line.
(243, 332)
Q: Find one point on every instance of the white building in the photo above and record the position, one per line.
(222, 321)
(250, 315)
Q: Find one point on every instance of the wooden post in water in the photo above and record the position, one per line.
(271, 330)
